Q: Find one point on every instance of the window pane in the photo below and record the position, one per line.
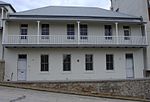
(66, 62)
(24, 30)
(126, 32)
(89, 62)
(83, 31)
(70, 31)
(109, 62)
(45, 29)
(44, 62)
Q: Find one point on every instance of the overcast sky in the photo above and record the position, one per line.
(21, 5)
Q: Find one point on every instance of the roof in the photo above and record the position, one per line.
(7, 4)
(66, 11)
(1, 2)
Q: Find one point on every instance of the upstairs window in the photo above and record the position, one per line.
(44, 63)
(24, 31)
(109, 62)
(127, 32)
(83, 31)
(70, 31)
(45, 31)
(108, 32)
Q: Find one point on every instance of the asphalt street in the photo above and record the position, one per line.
(23, 95)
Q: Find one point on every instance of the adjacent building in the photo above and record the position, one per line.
(140, 8)
(57, 43)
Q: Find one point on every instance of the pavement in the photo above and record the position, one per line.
(8, 94)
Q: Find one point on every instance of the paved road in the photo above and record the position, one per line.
(23, 95)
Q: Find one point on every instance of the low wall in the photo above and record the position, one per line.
(139, 88)
(2, 70)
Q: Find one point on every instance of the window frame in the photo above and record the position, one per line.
(89, 62)
(66, 62)
(70, 31)
(45, 31)
(109, 62)
(83, 31)
(23, 31)
(44, 69)
(125, 30)
(108, 32)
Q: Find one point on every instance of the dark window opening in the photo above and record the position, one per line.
(89, 62)
(44, 63)
(66, 62)
(24, 31)
(127, 32)
(70, 31)
(45, 31)
(109, 62)
(84, 31)
(108, 32)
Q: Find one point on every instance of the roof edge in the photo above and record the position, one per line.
(87, 17)
(9, 6)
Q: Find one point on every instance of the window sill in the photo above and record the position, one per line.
(89, 72)
(46, 72)
(66, 72)
(110, 71)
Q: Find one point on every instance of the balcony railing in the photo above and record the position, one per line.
(49, 40)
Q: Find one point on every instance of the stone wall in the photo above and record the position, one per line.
(139, 88)
(2, 70)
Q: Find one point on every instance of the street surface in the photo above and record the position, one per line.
(24, 95)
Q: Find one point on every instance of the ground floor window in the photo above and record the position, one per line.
(44, 63)
(66, 62)
(109, 62)
(89, 62)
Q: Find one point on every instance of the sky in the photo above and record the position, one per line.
(22, 5)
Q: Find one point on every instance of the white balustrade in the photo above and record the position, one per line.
(65, 39)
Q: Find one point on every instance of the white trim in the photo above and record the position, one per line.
(78, 32)
(117, 31)
(38, 31)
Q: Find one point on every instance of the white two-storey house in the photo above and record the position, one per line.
(73, 43)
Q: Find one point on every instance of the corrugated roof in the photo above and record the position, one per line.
(72, 11)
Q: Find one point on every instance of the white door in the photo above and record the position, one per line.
(22, 66)
(129, 67)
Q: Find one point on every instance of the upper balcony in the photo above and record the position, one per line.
(73, 41)
(73, 34)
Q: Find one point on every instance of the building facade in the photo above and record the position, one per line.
(72, 43)
(140, 8)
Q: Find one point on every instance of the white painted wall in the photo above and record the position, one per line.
(78, 68)
(61, 28)
(1, 48)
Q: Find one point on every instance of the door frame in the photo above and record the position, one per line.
(132, 64)
(25, 69)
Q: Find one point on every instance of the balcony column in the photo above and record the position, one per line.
(38, 31)
(145, 28)
(117, 32)
(2, 16)
(78, 32)
(4, 31)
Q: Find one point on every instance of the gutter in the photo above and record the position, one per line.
(81, 17)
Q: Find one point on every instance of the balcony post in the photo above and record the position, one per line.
(117, 32)
(4, 30)
(38, 31)
(2, 16)
(78, 32)
(145, 28)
